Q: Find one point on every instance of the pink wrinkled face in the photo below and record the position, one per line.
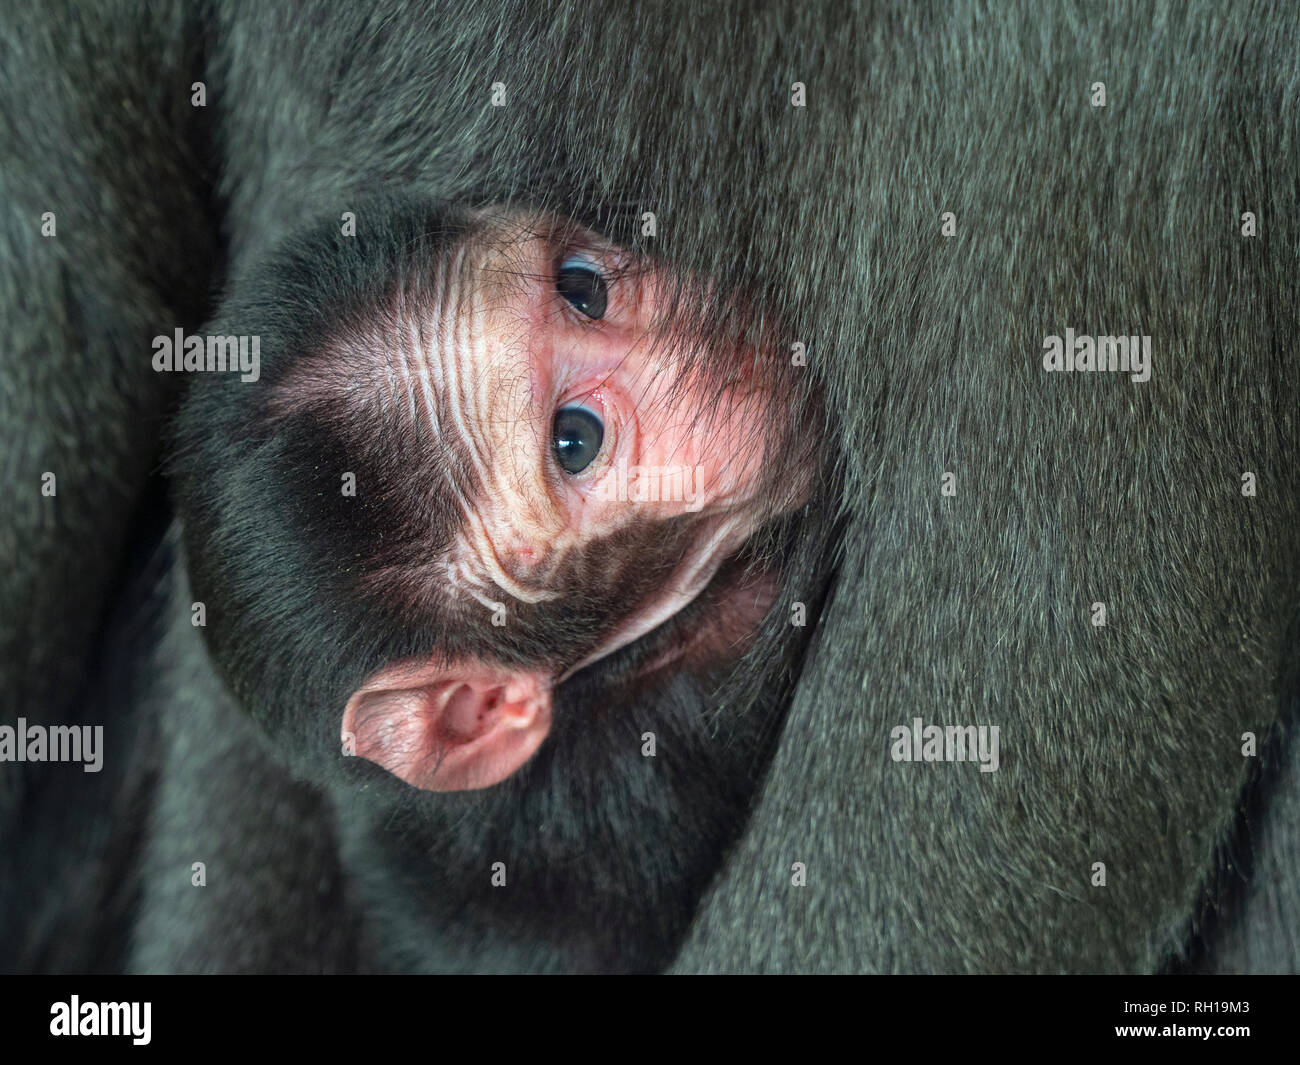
(580, 416)
(653, 437)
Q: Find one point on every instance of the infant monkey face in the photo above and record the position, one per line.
(565, 452)
(583, 406)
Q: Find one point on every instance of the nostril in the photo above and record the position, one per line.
(523, 561)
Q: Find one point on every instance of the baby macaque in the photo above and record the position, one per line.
(505, 509)
(553, 455)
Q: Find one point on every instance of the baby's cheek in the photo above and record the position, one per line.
(718, 435)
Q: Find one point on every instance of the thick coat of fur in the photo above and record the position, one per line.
(1120, 744)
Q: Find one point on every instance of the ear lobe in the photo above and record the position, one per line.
(448, 728)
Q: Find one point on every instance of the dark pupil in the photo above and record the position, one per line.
(584, 288)
(578, 436)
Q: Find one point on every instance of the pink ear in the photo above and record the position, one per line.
(448, 728)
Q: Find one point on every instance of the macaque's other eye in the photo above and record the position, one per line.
(577, 436)
(580, 282)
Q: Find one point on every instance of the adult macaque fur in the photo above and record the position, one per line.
(826, 207)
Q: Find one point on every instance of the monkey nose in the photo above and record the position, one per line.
(522, 560)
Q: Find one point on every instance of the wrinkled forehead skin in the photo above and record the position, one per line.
(440, 392)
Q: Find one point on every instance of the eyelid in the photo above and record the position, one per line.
(613, 264)
(591, 399)
(581, 257)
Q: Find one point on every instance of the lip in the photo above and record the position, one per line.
(737, 598)
(697, 572)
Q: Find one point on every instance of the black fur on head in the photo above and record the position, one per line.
(308, 589)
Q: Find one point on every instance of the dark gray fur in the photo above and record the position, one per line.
(1119, 744)
(121, 160)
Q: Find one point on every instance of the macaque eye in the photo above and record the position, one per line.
(577, 437)
(580, 282)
